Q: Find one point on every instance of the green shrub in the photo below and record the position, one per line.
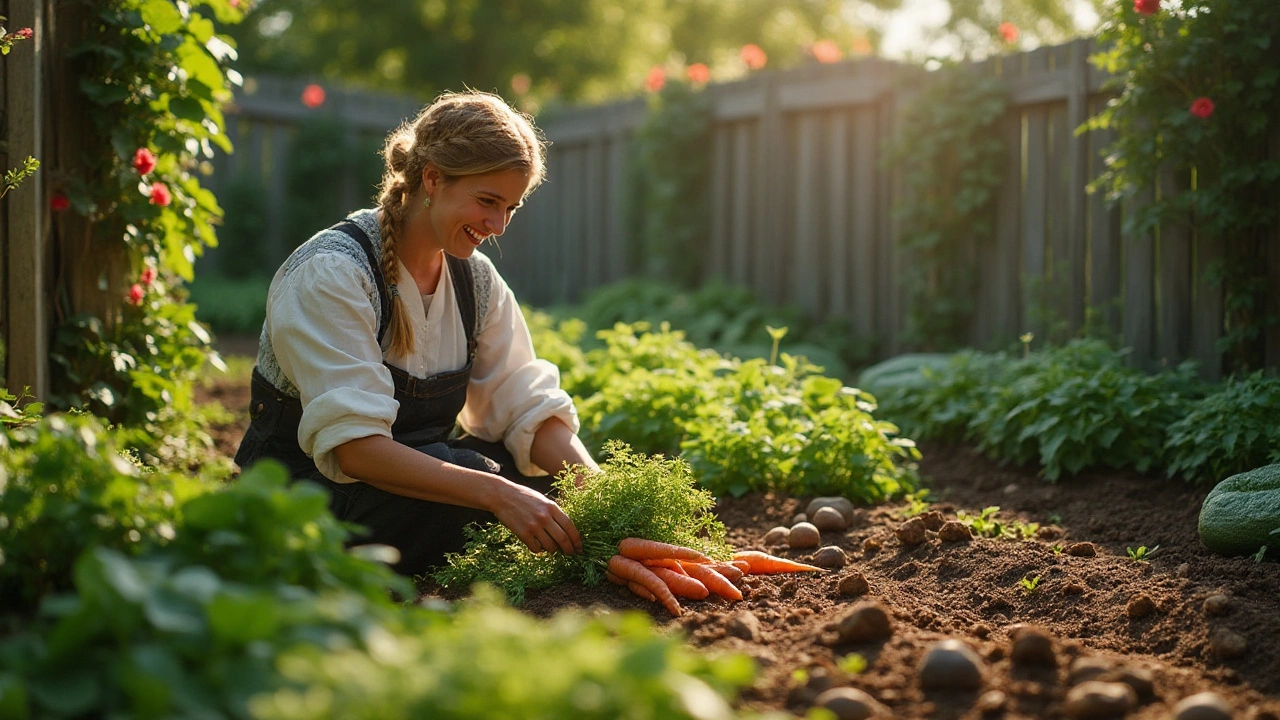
(242, 248)
(939, 402)
(1229, 431)
(231, 305)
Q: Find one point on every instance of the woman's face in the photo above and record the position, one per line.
(469, 210)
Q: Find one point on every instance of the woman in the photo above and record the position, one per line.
(387, 330)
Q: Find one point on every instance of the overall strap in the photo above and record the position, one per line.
(355, 232)
(464, 288)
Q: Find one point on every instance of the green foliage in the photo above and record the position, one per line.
(18, 410)
(1029, 585)
(1142, 553)
(1160, 65)
(13, 178)
(985, 524)
(241, 252)
(951, 156)
(632, 496)
(940, 401)
(1231, 430)
(231, 305)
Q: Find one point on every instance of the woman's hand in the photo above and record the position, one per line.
(538, 521)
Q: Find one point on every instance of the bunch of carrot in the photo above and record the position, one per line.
(658, 571)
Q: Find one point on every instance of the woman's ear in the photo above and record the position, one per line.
(430, 178)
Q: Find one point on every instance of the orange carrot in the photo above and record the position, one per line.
(668, 563)
(682, 585)
(641, 549)
(640, 590)
(742, 565)
(714, 581)
(614, 578)
(630, 570)
(766, 564)
(731, 572)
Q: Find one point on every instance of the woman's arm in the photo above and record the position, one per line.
(555, 445)
(388, 465)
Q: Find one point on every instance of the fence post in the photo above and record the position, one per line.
(1272, 342)
(28, 322)
(1077, 168)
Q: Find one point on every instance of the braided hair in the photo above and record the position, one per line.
(468, 133)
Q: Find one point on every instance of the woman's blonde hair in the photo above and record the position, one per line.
(466, 133)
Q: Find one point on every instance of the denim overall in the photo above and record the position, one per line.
(422, 531)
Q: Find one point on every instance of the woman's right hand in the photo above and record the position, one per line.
(537, 520)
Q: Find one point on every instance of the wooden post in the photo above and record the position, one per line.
(27, 302)
(1077, 162)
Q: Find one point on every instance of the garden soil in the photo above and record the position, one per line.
(1184, 622)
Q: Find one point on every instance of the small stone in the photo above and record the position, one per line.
(829, 519)
(872, 544)
(951, 665)
(1202, 706)
(1227, 644)
(848, 703)
(799, 518)
(911, 532)
(981, 631)
(1217, 604)
(839, 503)
(992, 701)
(1087, 668)
(933, 520)
(1140, 606)
(855, 583)
(1092, 700)
(1033, 646)
(1011, 489)
(1081, 549)
(777, 535)
(865, 622)
(803, 535)
(954, 531)
(1183, 570)
(744, 624)
(1142, 681)
(1072, 589)
(819, 679)
(830, 557)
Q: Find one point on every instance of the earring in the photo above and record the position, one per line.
(426, 203)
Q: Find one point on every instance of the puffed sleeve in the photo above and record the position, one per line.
(512, 392)
(324, 332)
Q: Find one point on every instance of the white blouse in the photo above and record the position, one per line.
(322, 329)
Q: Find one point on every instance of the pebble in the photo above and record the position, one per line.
(1072, 589)
(1142, 681)
(1087, 668)
(855, 583)
(992, 701)
(1183, 570)
(799, 518)
(830, 557)
(803, 535)
(1227, 644)
(1202, 706)
(933, 520)
(848, 703)
(1217, 604)
(1094, 700)
(951, 665)
(1140, 606)
(829, 519)
(835, 501)
(819, 679)
(911, 532)
(744, 624)
(954, 531)
(1011, 489)
(777, 535)
(1081, 549)
(1032, 646)
(866, 622)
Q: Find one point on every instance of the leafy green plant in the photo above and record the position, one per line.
(917, 504)
(1142, 553)
(1230, 430)
(944, 403)
(13, 178)
(632, 496)
(18, 410)
(985, 524)
(1029, 585)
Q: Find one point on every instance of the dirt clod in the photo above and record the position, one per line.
(1227, 644)
(777, 535)
(911, 532)
(1081, 549)
(830, 557)
(1140, 606)
(854, 584)
(1072, 589)
(872, 544)
(829, 519)
(744, 624)
(1183, 570)
(951, 665)
(954, 531)
(1202, 706)
(1032, 646)
(933, 520)
(850, 704)
(1094, 700)
(803, 535)
(1217, 604)
(866, 622)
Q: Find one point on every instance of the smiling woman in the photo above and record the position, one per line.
(387, 331)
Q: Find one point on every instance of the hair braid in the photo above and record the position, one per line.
(397, 184)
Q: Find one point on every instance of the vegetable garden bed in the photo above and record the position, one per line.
(1174, 623)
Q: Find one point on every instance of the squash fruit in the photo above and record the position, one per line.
(1240, 514)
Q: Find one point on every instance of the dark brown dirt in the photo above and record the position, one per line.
(973, 591)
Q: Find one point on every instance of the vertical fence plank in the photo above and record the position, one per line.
(619, 233)
(717, 265)
(1139, 288)
(1077, 164)
(889, 320)
(1173, 284)
(1271, 340)
(1105, 250)
(741, 249)
(770, 233)
(1058, 271)
(567, 273)
(806, 262)
(592, 247)
(1207, 309)
(866, 229)
(1002, 286)
(839, 161)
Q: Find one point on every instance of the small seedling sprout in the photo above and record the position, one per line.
(1029, 585)
(1142, 553)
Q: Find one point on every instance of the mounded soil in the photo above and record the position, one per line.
(1148, 622)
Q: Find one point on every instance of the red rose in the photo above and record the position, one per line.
(1147, 7)
(826, 51)
(699, 73)
(59, 202)
(656, 78)
(160, 195)
(136, 293)
(313, 96)
(1202, 107)
(754, 56)
(144, 161)
(25, 33)
(148, 275)
(1009, 32)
